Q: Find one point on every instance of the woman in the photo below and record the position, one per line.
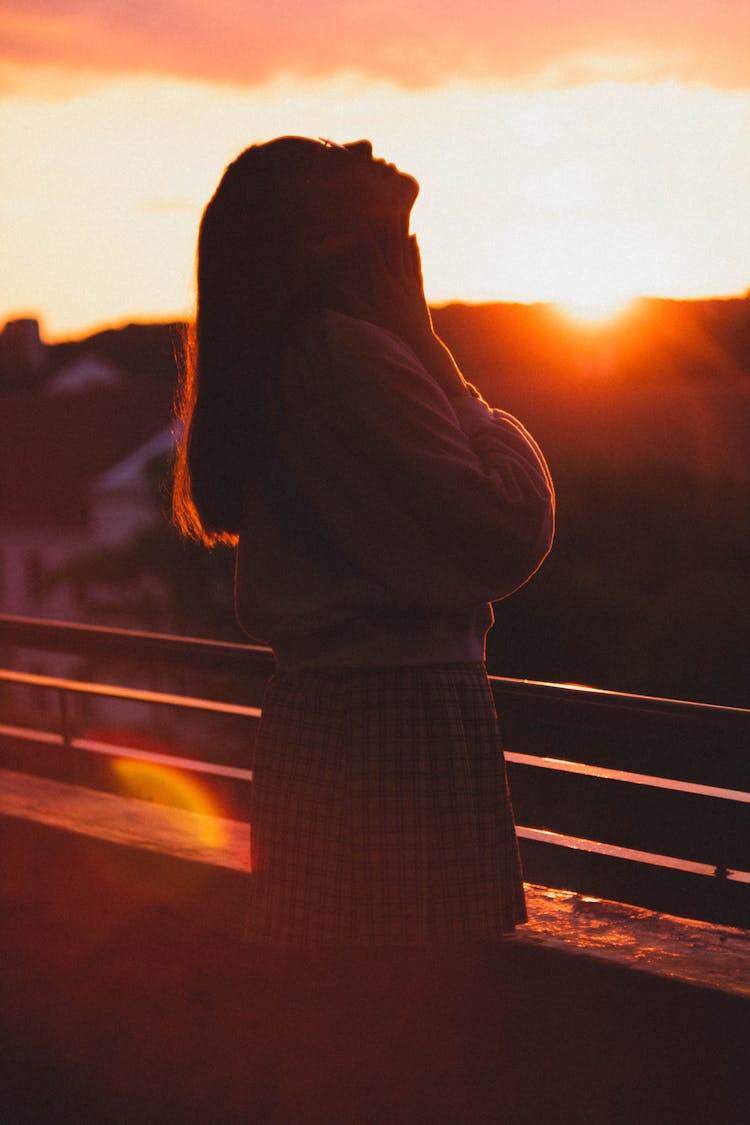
(378, 506)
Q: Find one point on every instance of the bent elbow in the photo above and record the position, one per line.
(541, 545)
(520, 552)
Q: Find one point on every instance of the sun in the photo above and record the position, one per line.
(595, 269)
(596, 309)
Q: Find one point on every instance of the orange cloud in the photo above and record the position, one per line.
(422, 43)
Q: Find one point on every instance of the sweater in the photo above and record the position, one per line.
(388, 515)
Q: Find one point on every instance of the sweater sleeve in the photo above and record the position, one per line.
(445, 501)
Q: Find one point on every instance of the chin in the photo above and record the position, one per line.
(410, 188)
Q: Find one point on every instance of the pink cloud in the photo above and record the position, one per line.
(421, 43)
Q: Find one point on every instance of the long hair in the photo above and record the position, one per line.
(261, 260)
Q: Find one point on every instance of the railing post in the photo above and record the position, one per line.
(72, 762)
(723, 851)
(62, 696)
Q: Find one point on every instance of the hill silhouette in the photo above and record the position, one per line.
(669, 380)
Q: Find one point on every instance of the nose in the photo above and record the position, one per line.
(362, 149)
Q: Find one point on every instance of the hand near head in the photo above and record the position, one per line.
(395, 295)
(395, 300)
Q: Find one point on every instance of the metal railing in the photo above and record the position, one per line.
(629, 797)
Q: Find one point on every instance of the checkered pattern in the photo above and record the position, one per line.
(380, 811)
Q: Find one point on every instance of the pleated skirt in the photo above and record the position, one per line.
(380, 812)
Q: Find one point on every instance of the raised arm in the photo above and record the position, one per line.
(427, 489)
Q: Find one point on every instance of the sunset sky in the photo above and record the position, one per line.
(583, 152)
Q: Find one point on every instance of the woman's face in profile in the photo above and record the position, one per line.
(373, 188)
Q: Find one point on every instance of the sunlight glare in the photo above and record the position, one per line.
(596, 309)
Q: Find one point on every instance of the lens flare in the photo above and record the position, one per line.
(171, 789)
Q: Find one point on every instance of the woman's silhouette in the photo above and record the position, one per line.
(378, 505)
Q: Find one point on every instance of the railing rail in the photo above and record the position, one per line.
(229, 657)
(134, 695)
(151, 648)
(616, 794)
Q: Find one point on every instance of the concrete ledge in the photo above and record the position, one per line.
(677, 948)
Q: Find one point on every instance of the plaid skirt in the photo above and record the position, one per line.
(380, 811)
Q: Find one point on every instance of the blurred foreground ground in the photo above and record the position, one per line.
(127, 997)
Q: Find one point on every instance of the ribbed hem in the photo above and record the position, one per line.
(388, 642)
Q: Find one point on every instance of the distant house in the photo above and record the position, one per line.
(73, 446)
(123, 498)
